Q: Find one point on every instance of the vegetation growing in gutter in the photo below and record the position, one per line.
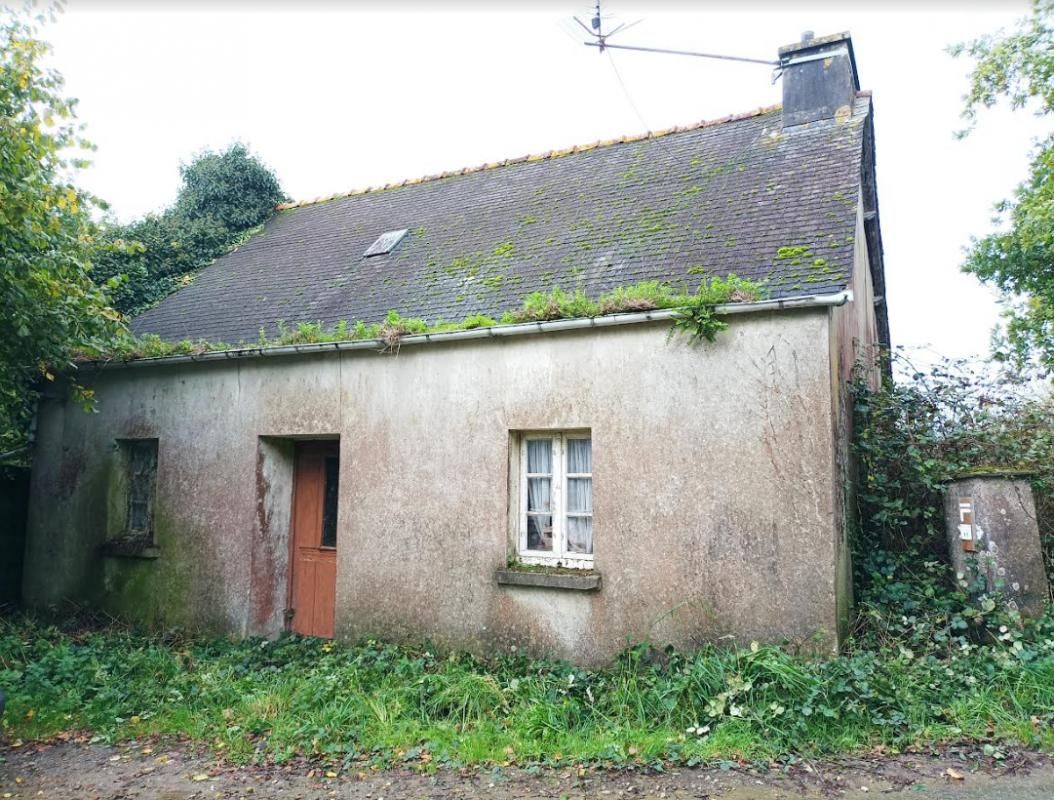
(696, 319)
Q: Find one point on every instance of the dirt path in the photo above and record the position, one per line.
(171, 771)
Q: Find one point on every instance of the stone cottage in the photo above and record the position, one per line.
(563, 487)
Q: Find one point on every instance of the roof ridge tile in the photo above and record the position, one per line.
(534, 157)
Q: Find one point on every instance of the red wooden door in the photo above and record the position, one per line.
(313, 588)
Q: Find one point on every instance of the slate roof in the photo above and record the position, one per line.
(720, 197)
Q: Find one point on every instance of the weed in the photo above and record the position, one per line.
(381, 704)
(557, 303)
(698, 318)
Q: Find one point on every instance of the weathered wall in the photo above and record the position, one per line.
(1005, 534)
(714, 489)
(854, 345)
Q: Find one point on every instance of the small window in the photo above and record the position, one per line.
(385, 243)
(556, 499)
(329, 502)
(139, 458)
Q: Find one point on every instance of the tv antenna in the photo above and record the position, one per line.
(600, 41)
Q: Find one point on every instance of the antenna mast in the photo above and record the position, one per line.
(600, 41)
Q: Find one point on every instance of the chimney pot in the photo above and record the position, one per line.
(807, 36)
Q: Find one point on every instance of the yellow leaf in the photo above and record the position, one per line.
(201, 776)
(330, 774)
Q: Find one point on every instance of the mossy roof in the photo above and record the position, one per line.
(737, 195)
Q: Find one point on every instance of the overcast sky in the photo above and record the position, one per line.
(339, 98)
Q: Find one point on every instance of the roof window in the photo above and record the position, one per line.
(385, 243)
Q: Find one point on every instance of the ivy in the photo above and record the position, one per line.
(912, 437)
(224, 198)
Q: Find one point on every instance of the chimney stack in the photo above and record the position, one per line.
(819, 78)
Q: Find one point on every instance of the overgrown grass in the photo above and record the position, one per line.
(697, 319)
(380, 704)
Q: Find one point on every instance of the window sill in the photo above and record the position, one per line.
(587, 581)
(130, 547)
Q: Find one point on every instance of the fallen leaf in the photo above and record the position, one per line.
(330, 774)
(954, 774)
(201, 776)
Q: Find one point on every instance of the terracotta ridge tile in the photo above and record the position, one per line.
(543, 156)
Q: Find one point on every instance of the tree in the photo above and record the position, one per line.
(231, 188)
(1018, 259)
(51, 306)
(223, 197)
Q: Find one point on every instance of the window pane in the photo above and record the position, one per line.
(329, 507)
(140, 459)
(538, 494)
(139, 512)
(580, 495)
(540, 456)
(143, 458)
(580, 455)
(580, 535)
(539, 532)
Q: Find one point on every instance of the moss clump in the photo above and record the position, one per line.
(793, 253)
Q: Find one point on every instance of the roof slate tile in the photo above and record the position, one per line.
(709, 199)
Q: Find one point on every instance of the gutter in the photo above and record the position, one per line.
(494, 332)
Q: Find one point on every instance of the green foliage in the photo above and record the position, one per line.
(911, 438)
(915, 434)
(224, 198)
(699, 320)
(643, 296)
(537, 307)
(1019, 258)
(232, 189)
(51, 305)
(382, 705)
(554, 304)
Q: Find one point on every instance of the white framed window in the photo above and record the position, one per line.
(556, 499)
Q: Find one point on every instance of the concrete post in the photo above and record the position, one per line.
(991, 520)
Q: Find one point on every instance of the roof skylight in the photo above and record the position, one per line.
(385, 243)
